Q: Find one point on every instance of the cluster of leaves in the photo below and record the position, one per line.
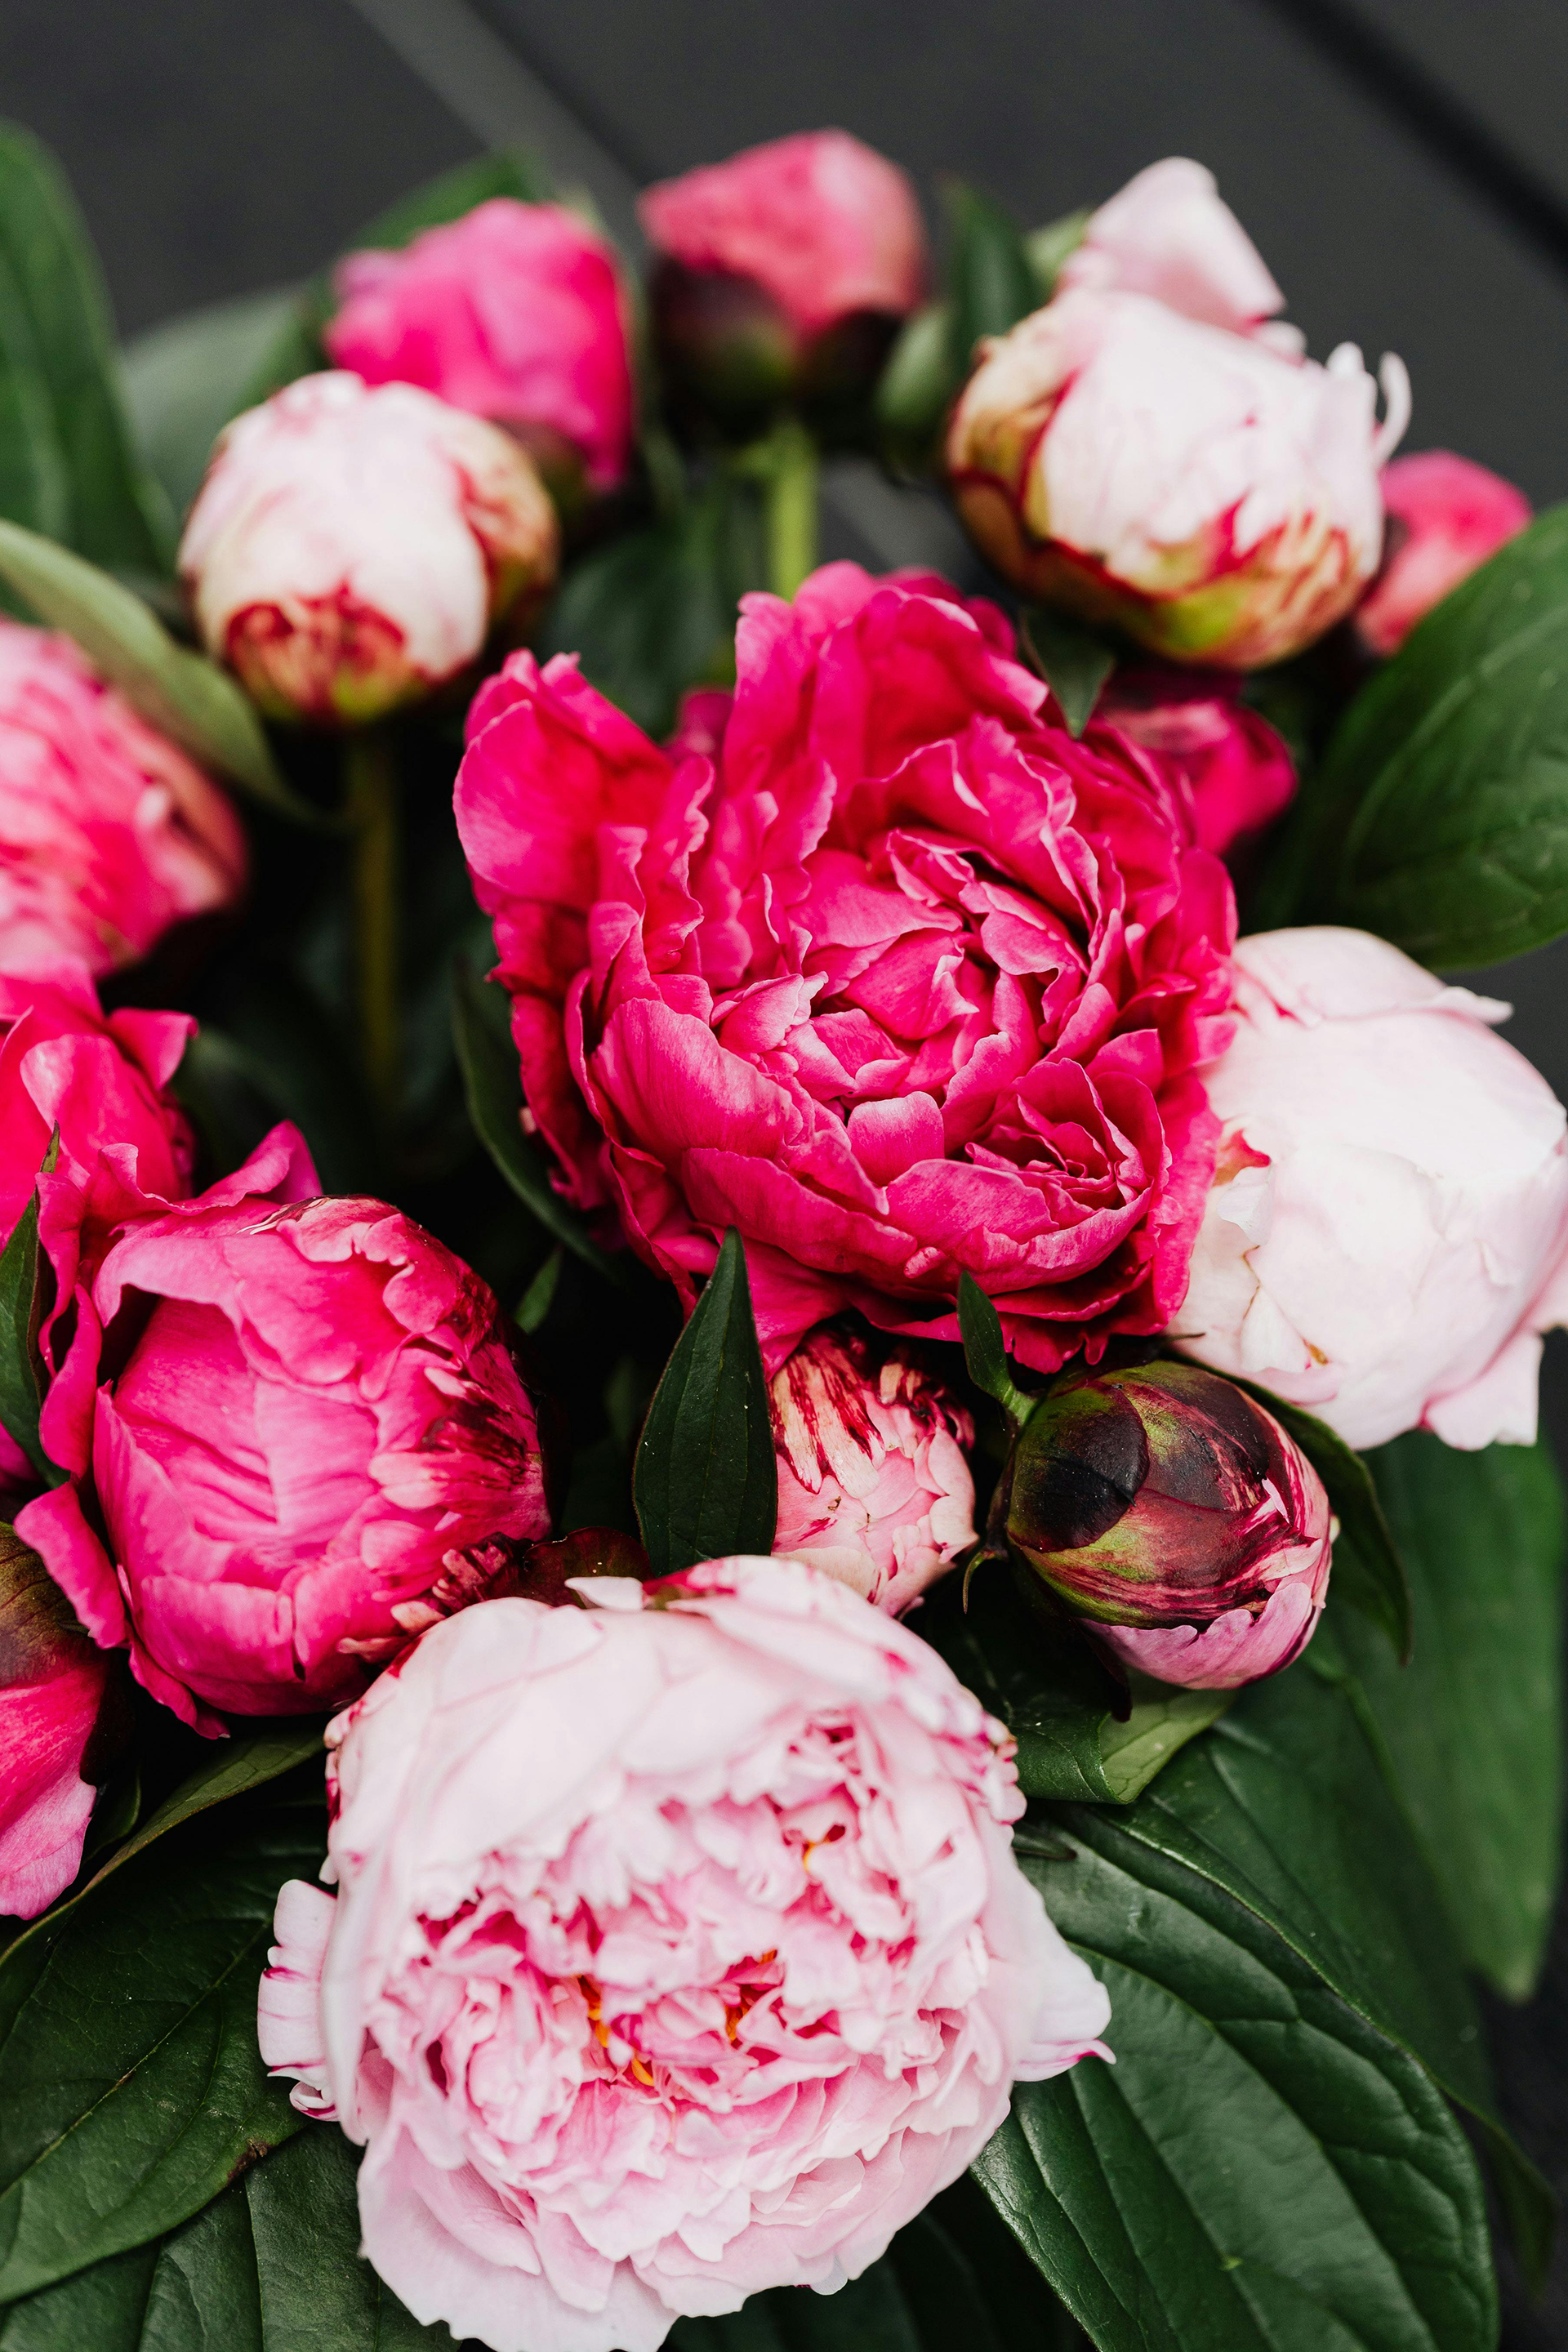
(1288, 1896)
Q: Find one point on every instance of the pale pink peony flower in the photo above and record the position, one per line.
(1213, 495)
(874, 1483)
(1446, 516)
(1239, 773)
(53, 1692)
(1384, 1239)
(351, 548)
(109, 834)
(875, 964)
(298, 1426)
(678, 1952)
(1169, 233)
(517, 313)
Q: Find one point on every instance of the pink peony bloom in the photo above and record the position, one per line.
(874, 1483)
(1175, 1517)
(1444, 516)
(902, 980)
(517, 313)
(1214, 497)
(678, 1952)
(109, 834)
(1384, 1240)
(1238, 772)
(1168, 234)
(312, 1442)
(350, 549)
(52, 1693)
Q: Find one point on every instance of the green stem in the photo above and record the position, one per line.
(372, 810)
(790, 507)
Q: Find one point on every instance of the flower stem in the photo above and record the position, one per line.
(791, 507)
(373, 808)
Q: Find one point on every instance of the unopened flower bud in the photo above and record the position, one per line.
(1175, 1518)
(783, 273)
(1444, 516)
(353, 546)
(874, 1482)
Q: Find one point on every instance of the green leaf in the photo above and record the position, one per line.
(653, 611)
(705, 1481)
(184, 379)
(68, 467)
(985, 1349)
(23, 1274)
(1049, 246)
(1472, 1732)
(488, 1059)
(991, 282)
(1368, 1571)
(181, 693)
(916, 385)
(540, 1297)
(1046, 1682)
(1439, 816)
(1073, 660)
(131, 2085)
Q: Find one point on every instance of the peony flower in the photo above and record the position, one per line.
(1168, 234)
(1176, 1518)
(783, 272)
(517, 313)
(1213, 495)
(1239, 773)
(53, 1693)
(1385, 1236)
(874, 1485)
(298, 1426)
(1444, 516)
(678, 1951)
(901, 980)
(351, 548)
(109, 834)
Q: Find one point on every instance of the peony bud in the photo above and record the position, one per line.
(517, 313)
(1384, 1239)
(1239, 773)
(54, 1687)
(351, 548)
(1175, 1517)
(109, 834)
(308, 1440)
(783, 273)
(1444, 517)
(874, 1486)
(1213, 495)
(1168, 233)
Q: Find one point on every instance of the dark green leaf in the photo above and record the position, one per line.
(653, 612)
(487, 1059)
(1472, 1731)
(131, 2085)
(1439, 816)
(916, 385)
(1048, 247)
(540, 1297)
(705, 1480)
(180, 692)
(67, 464)
(22, 1273)
(184, 379)
(1073, 660)
(991, 282)
(1045, 1684)
(1368, 1571)
(985, 1349)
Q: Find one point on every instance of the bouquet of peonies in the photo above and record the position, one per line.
(764, 1529)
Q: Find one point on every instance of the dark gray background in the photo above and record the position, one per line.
(1401, 163)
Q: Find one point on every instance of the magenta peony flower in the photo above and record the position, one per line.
(299, 1424)
(109, 834)
(1385, 1239)
(678, 1952)
(784, 270)
(902, 980)
(52, 1695)
(874, 1483)
(517, 313)
(351, 548)
(1444, 516)
(1238, 772)
(1177, 1519)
